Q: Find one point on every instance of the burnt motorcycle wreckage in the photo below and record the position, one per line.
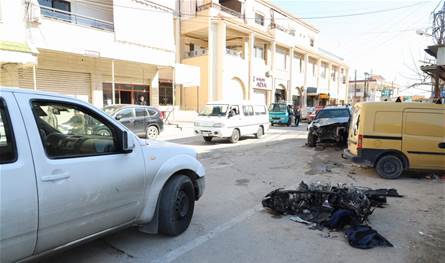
(330, 125)
(333, 207)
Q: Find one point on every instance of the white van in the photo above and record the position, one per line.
(228, 119)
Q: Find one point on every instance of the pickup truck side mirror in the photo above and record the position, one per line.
(127, 142)
(230, 114)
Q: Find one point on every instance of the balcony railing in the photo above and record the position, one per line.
(204, 52)
(197, 53)
(234, 52)
(220, 7)
(76, 19)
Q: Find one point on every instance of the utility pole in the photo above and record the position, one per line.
(365, 88)
(355, 85)
(438, 34)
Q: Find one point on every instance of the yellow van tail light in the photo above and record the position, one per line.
(360, 141)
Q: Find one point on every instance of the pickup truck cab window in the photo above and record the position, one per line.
(70, 131)
(8, 153)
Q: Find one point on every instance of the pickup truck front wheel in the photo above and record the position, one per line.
(176, 205)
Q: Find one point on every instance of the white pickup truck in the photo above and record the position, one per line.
(63, 181)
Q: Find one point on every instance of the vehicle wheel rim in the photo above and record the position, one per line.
(260, 131)
(152, 132)
(236, 135)
(103, 133)
(389, 168)
(182, 204)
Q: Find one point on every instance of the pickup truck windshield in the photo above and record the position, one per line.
(278, 108)
(333, 113)
(214, 110)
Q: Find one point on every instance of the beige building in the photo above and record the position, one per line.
(372, 88)
(254, 50)
(93, 49)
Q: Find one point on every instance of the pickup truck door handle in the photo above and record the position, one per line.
(55, 177)
(442, 145)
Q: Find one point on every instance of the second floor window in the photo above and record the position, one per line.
(259, 53)
(259, 19)
(324, 67)
(56, 4)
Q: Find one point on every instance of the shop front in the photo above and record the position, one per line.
(126, 94)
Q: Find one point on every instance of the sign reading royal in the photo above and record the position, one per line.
(261, 83)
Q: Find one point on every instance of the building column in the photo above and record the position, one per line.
(318, 72)
(273, 49)
(251, 57)
(96, 88)
(346, 86)
(113, 86)
(330, 76)
(154, 90)
(220, 55)
(306, 62)
(291, 75)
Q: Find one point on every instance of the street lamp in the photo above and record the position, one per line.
(365, 88)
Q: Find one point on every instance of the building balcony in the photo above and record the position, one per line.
(223, 6)
(77, 19)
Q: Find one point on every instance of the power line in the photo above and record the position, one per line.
(363, 13)
(162, 9)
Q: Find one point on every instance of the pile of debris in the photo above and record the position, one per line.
(333, 207)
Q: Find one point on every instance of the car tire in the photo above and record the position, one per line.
(103, 132)
(177, 202)
(207, 138)
(311, 140)
(151, 132)
(259, 133)
(235, 136)
(389, 166)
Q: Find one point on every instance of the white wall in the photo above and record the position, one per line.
(12, 21)
(143, 24)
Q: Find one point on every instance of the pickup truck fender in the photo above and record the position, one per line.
(166, 171)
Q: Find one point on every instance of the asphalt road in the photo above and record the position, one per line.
(229, 224)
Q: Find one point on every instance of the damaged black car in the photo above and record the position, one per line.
(329, 126)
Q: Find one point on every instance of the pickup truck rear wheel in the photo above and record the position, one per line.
(176, 205)
(389, 166)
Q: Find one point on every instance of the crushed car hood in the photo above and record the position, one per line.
(329, 121)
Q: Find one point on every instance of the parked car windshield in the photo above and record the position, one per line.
(214, 110)
(278, 108)
(333, 113)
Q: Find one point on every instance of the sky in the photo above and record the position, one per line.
(382, 43)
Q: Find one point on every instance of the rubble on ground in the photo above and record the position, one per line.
(333, 207)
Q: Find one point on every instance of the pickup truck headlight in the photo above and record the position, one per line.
(196, 123)
(218, 125)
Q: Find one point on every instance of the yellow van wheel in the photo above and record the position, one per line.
(389, 167)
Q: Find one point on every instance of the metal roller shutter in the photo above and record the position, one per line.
(69, 83)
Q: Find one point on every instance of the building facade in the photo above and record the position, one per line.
(254, 50)
(372, 88)
(92, 49)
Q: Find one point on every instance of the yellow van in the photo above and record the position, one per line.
(393, 137)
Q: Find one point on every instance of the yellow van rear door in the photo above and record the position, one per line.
(423, 138)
